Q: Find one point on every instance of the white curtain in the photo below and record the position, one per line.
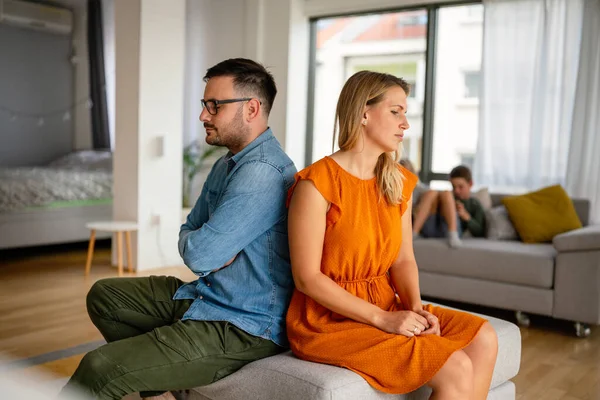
(530, 64)
(583, 172)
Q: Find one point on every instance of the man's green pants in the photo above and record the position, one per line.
(150, 350)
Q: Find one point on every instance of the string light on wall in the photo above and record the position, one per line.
(40, 119)
(65, 113)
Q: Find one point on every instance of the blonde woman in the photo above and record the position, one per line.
(357, 302)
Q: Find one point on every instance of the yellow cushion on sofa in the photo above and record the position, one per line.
(541, 215)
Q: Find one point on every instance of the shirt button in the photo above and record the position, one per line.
(208, 284)
(201, 297)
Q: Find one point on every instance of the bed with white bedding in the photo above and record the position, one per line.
(52, 204)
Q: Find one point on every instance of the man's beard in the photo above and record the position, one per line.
(232, 135)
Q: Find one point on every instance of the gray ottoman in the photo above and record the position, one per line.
(285, 377)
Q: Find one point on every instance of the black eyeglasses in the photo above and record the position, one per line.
(211, 105)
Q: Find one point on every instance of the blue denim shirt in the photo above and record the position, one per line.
(242, 212)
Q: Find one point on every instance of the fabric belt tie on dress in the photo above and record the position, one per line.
(370, 284)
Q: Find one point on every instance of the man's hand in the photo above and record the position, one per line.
(228, 263)
(462, 212)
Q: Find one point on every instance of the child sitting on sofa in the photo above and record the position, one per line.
(449, 214)
(469, 209)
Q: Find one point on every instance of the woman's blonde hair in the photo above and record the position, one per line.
(367, 88)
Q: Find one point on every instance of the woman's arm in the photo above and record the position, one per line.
(306, 230)
(405, 275)
(404, 272)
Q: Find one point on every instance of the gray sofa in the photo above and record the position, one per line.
(559, 279)
(285, 377)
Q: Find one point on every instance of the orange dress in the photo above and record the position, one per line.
(362, 239)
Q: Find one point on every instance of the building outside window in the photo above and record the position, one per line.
(396, 43)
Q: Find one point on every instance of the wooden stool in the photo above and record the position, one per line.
(117, 227)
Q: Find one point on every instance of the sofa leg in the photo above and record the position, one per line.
(582, 330)
(522, 319)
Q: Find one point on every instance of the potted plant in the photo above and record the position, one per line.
(195, 156)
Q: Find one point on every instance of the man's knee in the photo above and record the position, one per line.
(94, 363)
(94, 372)
(97, 295)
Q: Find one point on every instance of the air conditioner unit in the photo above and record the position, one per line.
(36, 16)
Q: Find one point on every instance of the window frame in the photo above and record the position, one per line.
(426, 173)
(351, 62)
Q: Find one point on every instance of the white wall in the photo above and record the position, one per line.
(126, 149)
(162, 57)
(149, 60)
(214, 32)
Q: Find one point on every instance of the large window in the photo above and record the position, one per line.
(456, 96)
(394, 43)
(441, 60)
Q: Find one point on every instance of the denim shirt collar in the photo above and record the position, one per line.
(233, 159)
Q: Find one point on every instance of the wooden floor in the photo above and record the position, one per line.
(42, 310)
(42, 303)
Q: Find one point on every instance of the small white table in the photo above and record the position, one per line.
(118, 227)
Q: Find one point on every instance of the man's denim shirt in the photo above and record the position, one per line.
(242, 213)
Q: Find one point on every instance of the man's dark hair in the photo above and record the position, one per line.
(249, 79)
(462, 171)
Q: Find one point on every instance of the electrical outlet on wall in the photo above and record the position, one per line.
(155, 218)
(160, 143)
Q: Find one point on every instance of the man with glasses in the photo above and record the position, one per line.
(166, 335)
